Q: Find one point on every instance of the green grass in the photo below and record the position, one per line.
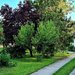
(61, 54)
(25, 66)
(1, 49)
(66, 69)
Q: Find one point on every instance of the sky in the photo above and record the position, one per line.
(72, 14)
(13, 3)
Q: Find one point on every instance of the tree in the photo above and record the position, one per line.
(24, 37)
(46, 37)
(13, 19)
(39, 10)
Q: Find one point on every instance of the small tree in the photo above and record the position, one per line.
(23, 39)
(46, 37)
(13, 19)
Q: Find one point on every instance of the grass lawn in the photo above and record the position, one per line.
(1, 49)
(25, 66)
(66, 69)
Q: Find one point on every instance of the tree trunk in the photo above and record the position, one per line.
(31, 54)
(30, 49)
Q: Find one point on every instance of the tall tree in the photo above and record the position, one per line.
(56, 10)
(13, 19)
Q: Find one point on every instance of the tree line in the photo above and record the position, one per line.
(41, 25)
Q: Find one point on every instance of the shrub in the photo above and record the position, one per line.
(39, 57)
(4, 59)
(16, 51)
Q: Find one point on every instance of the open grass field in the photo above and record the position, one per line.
(66, 69)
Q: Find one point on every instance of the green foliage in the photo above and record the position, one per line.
(23, 39)
(27, 65)
(39, 57)
(24, 35)
(55, 11)
(4, 59)
(61, 54)
(1, 49)
(46, 35)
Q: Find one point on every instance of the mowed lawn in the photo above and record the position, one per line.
(27, 65)
(1, 49)
(66, 69)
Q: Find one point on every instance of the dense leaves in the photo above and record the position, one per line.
(4, 59)
(46, 37)
(23, 39)
(41, 24)
(13, 19)
(24, 36)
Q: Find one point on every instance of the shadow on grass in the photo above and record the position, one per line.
(27, 59)
(34, 59)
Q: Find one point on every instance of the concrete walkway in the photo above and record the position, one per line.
(49, 70)
(73, 72)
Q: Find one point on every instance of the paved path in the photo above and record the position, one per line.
(49, 70)
(73, 72)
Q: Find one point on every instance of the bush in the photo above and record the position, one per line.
(39, 57)
(4, 59)
(16, 51)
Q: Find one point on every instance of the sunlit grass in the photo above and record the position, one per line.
(61, 54)
(66, 69)
(27, 65)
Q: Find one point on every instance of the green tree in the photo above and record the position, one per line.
(46, 37)
(24, 37)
